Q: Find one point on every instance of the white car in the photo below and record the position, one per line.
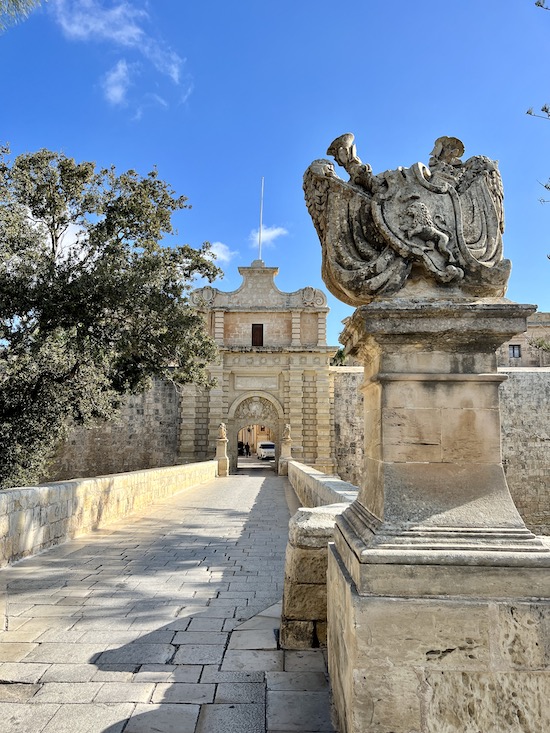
(265, 450)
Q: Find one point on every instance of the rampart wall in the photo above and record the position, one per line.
(145, 435)
(525, 416)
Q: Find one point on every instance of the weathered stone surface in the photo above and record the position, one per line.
(472, 702)
(437, 664)
(304, 602)
(433, 232)
(297, 634)
(144, 436)
(315, 489)
(525, 431)
(313, 527)
(307, 565)
(523, 635)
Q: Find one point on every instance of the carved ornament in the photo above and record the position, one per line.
(433, 230)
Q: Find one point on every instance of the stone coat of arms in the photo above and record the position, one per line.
(409, 228)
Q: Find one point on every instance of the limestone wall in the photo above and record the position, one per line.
(146, 435)
(314, 488)
(33, 519)
(348, 422)
(304, 613)
(525, 419)
(277, 329)
(525, 415)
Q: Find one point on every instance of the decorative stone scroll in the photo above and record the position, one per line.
(204, 297)
(433, 230)
(311, 297)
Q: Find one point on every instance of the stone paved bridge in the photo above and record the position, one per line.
(164, 622)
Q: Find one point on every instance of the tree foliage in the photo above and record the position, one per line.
(92, 306)
(13, 10)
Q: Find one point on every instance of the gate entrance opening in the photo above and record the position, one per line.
(250, 439)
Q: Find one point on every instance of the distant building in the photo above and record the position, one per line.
(273, 371)
(520, 352)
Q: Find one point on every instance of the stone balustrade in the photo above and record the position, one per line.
(304, 614)
(35, 518)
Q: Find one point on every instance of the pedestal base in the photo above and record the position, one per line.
(450, 664)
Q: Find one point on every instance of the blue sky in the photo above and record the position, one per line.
(217, 95)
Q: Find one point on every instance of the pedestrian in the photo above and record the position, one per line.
(247, 450)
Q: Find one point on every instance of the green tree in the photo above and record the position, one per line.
(13, 10)
(92, 306)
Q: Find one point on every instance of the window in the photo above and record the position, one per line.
(514, 351)
(257, 334)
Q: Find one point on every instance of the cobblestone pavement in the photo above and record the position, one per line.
(163, 623)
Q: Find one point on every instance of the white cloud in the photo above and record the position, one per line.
(187, 92)
(222, 252)
(88, 20)
(116, 82)
(124, 25)
(150, 100)
(269, 235)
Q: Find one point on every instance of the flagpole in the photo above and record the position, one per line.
(261, 217)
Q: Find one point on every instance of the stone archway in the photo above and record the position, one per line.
(256, 408)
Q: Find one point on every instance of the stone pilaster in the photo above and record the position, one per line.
(216, 408)
(295, 414)
(322, 329)
(218, 326)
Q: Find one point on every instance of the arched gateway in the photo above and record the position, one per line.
(259, 408)
(273, 370)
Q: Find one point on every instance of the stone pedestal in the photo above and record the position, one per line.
(285, 456)
(439, 597)
(221, 456)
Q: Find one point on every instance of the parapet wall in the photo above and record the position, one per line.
(314, 488)
(33, 519)
(304, 614)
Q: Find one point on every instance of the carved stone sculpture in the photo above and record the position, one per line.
(421, 230)
(433, 538)
(222, 431)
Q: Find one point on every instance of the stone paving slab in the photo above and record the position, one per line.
(165, 622)
(165, 718)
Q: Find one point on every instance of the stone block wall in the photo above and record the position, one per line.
(437, 665)
(309, 329)
(33, 519)
(525, 417)
(146, 435)
(525, 430)
(538, 326)
(348, 422)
